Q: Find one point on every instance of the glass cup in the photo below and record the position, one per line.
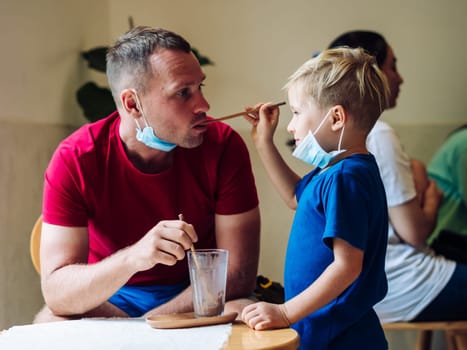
(208, 277)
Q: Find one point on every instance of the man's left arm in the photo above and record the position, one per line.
(240, 235)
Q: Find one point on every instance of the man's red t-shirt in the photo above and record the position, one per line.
(91, 182)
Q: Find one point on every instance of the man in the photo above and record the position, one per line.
(111, 241)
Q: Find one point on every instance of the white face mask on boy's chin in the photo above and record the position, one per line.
(310, 151)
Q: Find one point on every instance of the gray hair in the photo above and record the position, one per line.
(128, 63)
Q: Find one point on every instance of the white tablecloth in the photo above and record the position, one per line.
(111, 334)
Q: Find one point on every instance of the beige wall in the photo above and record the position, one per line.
(40, 71)
(256, 45)
(26, 150)
(40, 64)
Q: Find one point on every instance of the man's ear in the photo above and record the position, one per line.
(338, 117)
(128, 100)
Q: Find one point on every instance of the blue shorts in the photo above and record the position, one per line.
(137, 300)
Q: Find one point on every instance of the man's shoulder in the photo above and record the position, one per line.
(87, 137)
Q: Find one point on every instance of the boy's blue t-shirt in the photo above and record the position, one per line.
(346, 201)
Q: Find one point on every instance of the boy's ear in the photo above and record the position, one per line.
(338, 117)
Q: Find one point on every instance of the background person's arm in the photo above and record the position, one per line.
(461, 175)
(420, 179)
(414, 222)
(413, 201)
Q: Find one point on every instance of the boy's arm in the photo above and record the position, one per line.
(338, 276)
(282, 177)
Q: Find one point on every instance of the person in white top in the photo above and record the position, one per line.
(422, 286)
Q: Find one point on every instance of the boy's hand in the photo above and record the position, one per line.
(261, 316)
(237, 305)
(264, 120)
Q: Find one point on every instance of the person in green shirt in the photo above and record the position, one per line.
(448, 168)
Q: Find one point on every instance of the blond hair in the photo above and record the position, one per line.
(346, 77)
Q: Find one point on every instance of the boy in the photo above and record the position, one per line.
(334, 271)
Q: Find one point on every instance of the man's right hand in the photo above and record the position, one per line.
(165, 243)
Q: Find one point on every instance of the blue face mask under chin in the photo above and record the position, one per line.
(147, 135)
(310, 151)
(150, 139)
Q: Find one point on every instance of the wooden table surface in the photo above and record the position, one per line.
(245, 338)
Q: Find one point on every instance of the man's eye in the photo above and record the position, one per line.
(184, 93)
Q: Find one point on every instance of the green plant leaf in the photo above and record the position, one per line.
(96, 102)
(203, 60)
(96, 58)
